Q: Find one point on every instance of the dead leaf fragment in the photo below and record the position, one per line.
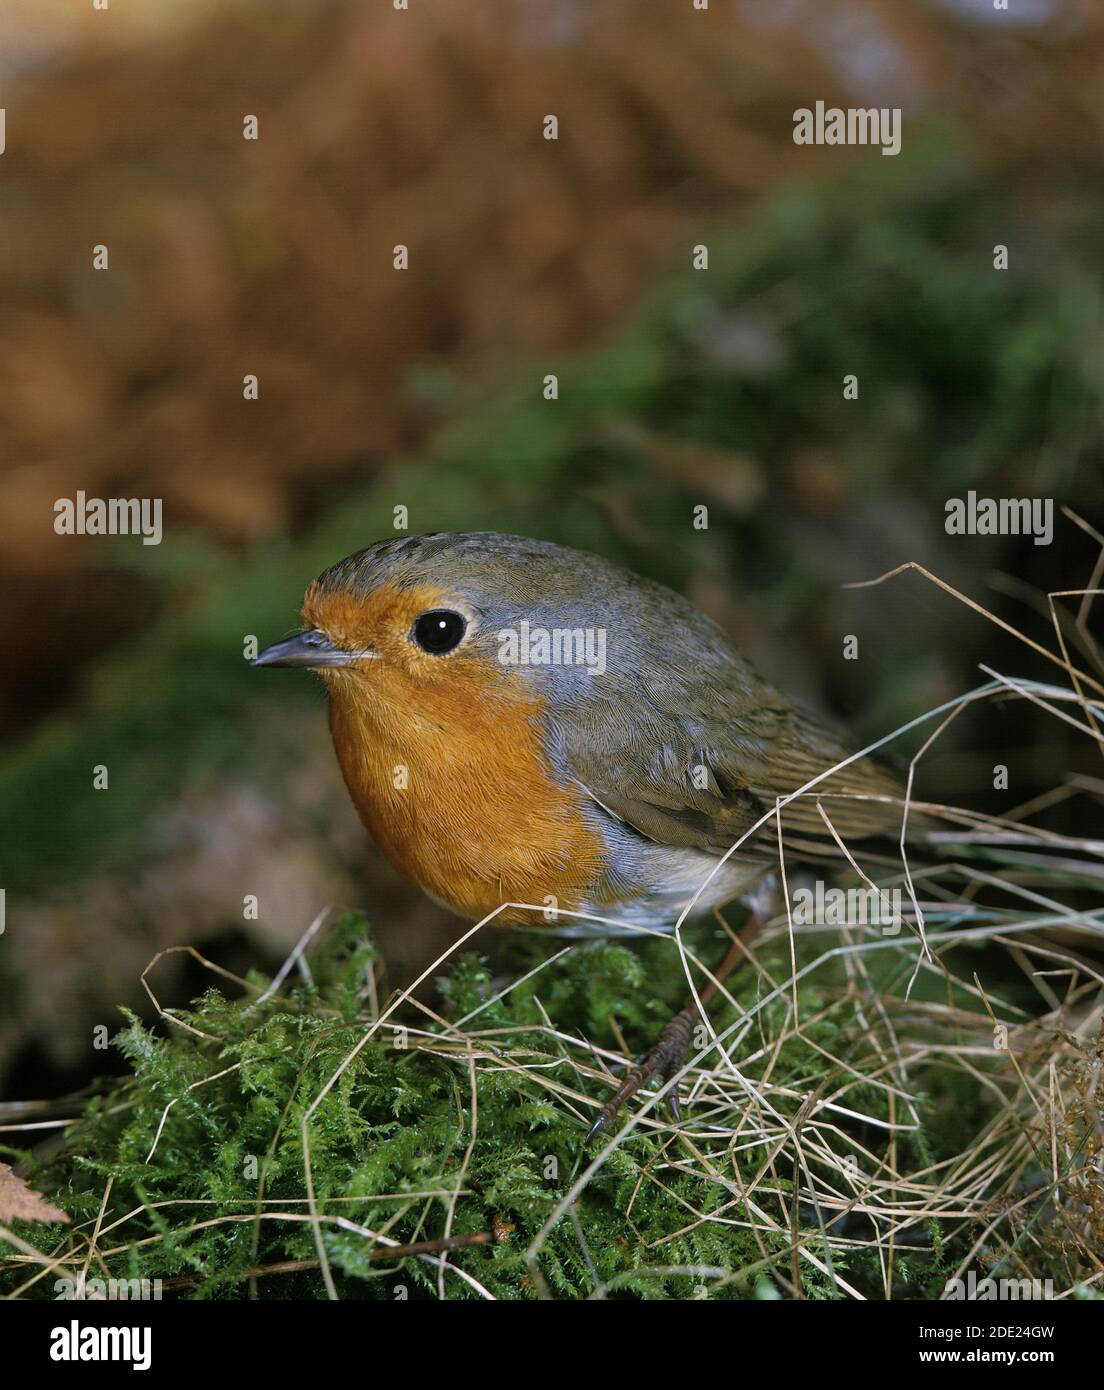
(18, 1202)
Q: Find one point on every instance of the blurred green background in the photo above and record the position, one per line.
(378, 388)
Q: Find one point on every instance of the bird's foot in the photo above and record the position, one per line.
(669, 1053)
(663, 1061)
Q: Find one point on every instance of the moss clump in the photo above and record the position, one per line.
(214, 1186)
(202, 1144)
(307, 1140)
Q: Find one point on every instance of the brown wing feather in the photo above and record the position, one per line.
(701, 763)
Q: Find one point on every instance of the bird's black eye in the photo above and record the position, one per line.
(439, 631)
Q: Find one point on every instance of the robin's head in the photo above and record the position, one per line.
(473, 614)
(453, 664)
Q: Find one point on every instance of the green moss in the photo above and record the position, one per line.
(209, 1126)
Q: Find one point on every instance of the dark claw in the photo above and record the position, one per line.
(665, 1059)
(600, 1125)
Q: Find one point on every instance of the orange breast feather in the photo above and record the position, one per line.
(452, 783)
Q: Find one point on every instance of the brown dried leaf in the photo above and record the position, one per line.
(18, 1202)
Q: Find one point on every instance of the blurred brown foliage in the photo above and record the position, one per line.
(377, 127)
(423, 127)
(275, 257)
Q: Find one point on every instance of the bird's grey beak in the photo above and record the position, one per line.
(311, 649)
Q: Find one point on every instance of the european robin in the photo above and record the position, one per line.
(517, 722)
